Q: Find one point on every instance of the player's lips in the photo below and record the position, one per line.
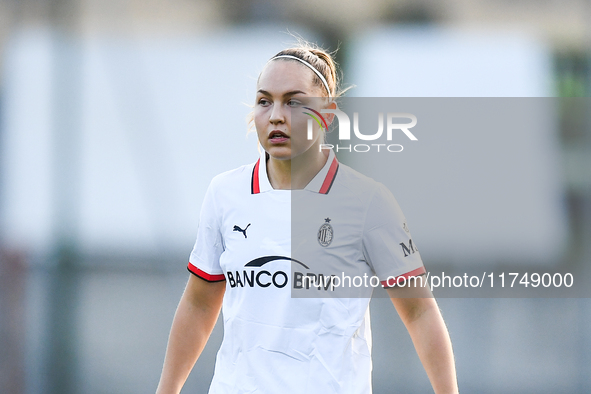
(278, 137)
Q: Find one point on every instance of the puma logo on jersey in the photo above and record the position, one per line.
(236, 228)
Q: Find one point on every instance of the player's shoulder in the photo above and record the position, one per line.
(237, 178)
(378, 201)
(359, 184)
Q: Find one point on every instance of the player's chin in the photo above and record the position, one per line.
(279, 152)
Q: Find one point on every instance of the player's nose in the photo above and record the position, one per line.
(277, 115)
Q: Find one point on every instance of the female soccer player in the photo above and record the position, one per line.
(284, 330)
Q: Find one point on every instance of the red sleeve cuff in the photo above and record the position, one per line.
(392, 280)
(204, 275)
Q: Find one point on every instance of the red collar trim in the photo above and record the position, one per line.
(255, 187)
(330, 177)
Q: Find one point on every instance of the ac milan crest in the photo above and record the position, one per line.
(325, 233)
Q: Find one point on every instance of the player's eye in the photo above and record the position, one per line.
(293, 103)
(263, 102)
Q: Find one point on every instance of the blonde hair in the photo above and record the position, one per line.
(321, 60)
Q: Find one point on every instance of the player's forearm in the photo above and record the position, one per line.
(433, 345)
(190, 331)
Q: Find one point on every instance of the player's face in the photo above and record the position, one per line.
(284, 89)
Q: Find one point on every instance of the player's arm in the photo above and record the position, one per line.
(193, 322)
(421, 316)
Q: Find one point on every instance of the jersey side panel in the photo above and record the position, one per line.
(204, 260)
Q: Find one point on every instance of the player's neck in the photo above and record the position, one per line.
(296, 173)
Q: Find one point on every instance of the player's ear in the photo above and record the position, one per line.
(330, 117)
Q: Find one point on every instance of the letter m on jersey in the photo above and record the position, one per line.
(410, 249)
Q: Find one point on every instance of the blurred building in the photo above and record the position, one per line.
(563, 23)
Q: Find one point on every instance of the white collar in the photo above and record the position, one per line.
(321, 183)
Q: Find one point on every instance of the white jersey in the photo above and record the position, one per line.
(289, 327)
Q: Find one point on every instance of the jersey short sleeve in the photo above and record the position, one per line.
(205, 257)
(387, 244)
